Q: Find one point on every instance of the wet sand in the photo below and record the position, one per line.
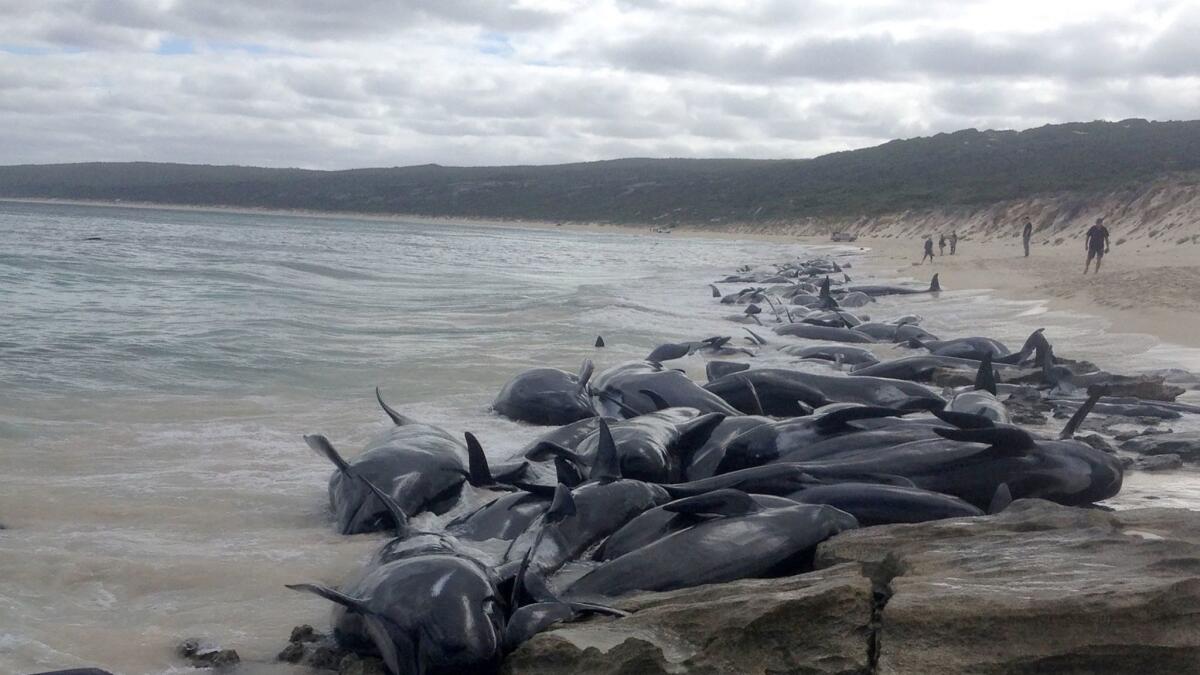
(1151, 288)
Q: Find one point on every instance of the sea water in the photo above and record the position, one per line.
(158, 368)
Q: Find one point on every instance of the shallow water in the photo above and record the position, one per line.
(154, 386)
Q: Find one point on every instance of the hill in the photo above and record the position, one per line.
(964, 168)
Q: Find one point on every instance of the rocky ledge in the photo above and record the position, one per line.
(1037, 588)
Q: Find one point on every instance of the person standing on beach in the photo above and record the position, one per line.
(1026, 235)
(928, 250)
(1096, 243)
(942, 244)
(953, 241)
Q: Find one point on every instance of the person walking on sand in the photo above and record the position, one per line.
(1026, 235)
(953, 241)
(1096, 243)
(942, 244)
(928, 250)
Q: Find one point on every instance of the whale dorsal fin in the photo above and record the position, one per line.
(934, 285)
(399, 419)
(324, 448)
(1001, 499)
(607, 467)
(985, 378)
(479, 474)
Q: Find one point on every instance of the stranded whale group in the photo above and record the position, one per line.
(647, 480)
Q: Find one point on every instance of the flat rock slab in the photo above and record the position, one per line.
(1038, 588)
(1186, 444)
(814, 623)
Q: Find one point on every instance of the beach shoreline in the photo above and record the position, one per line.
(1146, 286)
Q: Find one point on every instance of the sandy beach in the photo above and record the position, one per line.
(1152, 288)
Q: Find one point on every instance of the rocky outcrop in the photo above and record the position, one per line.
(815, 623)
(1037, 588)
(1184, 444)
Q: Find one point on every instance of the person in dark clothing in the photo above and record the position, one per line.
(1096, 243)
(953, 241)
(928, 250)
(942, 245)
(1026, 235)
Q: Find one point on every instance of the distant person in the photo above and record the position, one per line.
(942, 244)
(1026, 235)
(928, 250)
(953, 242)
(1096, 243)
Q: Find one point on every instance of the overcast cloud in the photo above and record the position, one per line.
(325, 84)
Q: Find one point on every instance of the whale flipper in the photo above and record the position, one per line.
(324, 448)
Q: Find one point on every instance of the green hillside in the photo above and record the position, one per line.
(965, 167)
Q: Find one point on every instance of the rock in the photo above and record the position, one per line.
(813, 623)
(204, 654)
(291, 653)
(1098, 442)
(305, 633)
(1186, 444)
(1146, 387)
(324, 657)
(1166, 462)
(1037, 588)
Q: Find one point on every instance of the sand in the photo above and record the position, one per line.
(1142, 287)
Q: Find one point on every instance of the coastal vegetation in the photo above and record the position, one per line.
(968, 167)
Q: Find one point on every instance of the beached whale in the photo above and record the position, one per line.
(844, 354)
(881, 290)
(654, 447)
(972, 464)
(602, 505)
(809, 331)
(781, 391)
(876, 504)
(422, 467)
(658, 522)
(622, 390)
(734, 538)
(547, 396)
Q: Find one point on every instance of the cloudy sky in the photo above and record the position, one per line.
(317, 84)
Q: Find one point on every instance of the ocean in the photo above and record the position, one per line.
(158, 368)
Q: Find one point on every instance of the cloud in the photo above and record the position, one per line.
(393, 82)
